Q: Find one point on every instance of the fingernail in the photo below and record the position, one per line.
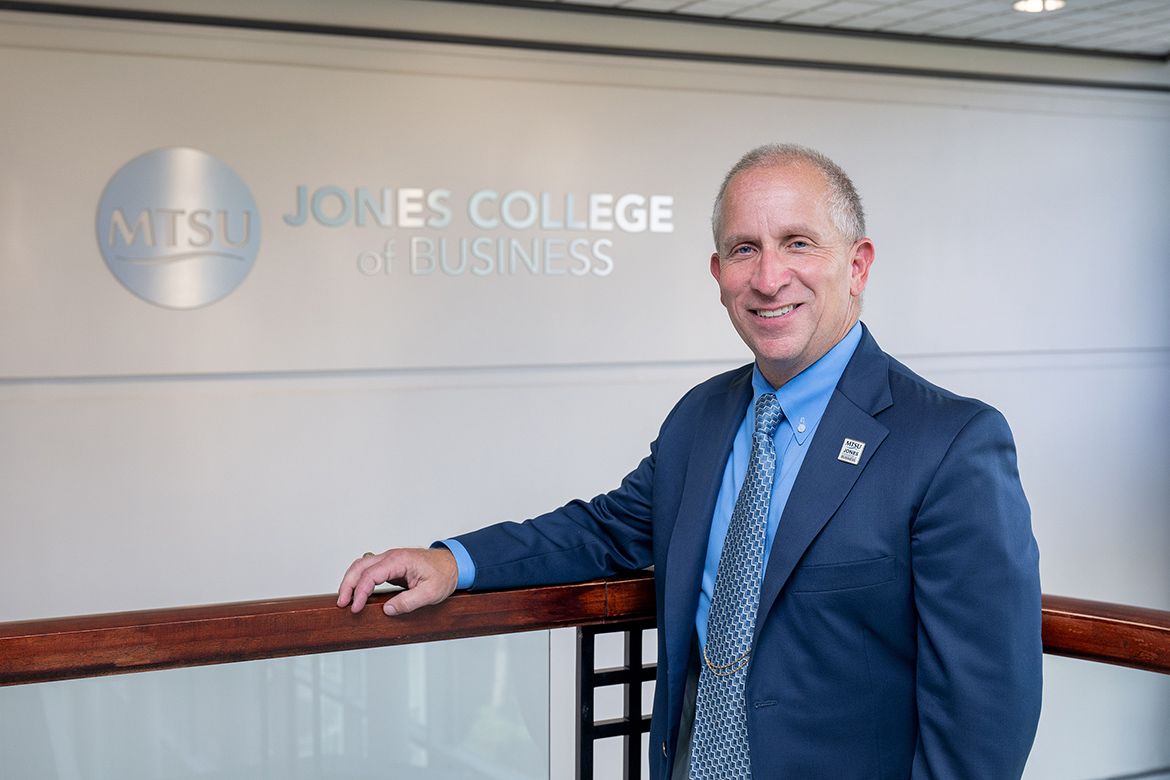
(389, 609)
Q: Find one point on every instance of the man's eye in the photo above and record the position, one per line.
(741, 250)
(799, 244)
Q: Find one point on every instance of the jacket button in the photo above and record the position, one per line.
(664, 754)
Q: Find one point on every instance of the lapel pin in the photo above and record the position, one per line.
(851, 451)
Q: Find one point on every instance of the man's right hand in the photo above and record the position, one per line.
(429, 577)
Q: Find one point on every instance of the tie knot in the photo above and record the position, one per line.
(768, 414)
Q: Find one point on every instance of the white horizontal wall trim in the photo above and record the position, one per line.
(531, 373)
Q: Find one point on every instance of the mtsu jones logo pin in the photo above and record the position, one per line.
(851, 451)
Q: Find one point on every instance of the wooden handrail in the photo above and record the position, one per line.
(93, 645)
(1109, 633)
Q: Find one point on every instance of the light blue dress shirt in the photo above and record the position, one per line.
(803, 399)
(462, 559)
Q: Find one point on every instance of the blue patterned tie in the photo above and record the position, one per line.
(719, 746)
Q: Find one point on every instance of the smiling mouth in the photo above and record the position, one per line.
(771, 313)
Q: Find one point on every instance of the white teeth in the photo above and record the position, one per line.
(775, 312)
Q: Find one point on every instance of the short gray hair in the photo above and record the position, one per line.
(844, 203)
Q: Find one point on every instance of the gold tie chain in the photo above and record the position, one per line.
(715, 669)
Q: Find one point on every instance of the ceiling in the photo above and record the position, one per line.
(1125, 27)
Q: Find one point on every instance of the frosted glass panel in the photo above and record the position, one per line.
(473, 708)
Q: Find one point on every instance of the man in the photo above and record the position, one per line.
(867, 605)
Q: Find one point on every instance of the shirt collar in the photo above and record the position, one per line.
(805, 397)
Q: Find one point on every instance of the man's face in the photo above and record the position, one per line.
(790, 283)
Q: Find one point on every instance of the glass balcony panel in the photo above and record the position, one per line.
(468, 709)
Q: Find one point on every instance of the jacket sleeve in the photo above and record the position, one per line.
(976, 587)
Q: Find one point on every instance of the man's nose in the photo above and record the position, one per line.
(771, 273)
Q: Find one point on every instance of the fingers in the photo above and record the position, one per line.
(429, 575)
(360, 580)
(422, 595)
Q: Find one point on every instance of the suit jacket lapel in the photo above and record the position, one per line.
(714, 435)
(824, 481)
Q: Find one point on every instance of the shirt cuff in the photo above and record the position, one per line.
(462, 560)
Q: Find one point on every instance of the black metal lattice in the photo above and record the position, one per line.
(633, 724)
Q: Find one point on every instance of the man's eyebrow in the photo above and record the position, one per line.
(799, 230)
(742, 238)
(787, 231)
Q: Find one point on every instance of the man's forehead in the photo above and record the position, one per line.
(794, 176)
(779, 200)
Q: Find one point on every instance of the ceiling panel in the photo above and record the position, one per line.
(1138, 27)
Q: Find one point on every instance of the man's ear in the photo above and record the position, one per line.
(861, 258)
(715, 269)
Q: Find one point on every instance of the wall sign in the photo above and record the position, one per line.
(178, 228)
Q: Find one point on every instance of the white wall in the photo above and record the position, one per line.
(251, 448)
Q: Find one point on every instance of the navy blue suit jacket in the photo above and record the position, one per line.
(898, 632)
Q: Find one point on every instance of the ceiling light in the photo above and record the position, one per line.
(1036, 6)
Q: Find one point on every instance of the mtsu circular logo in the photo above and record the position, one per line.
(178, 228)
